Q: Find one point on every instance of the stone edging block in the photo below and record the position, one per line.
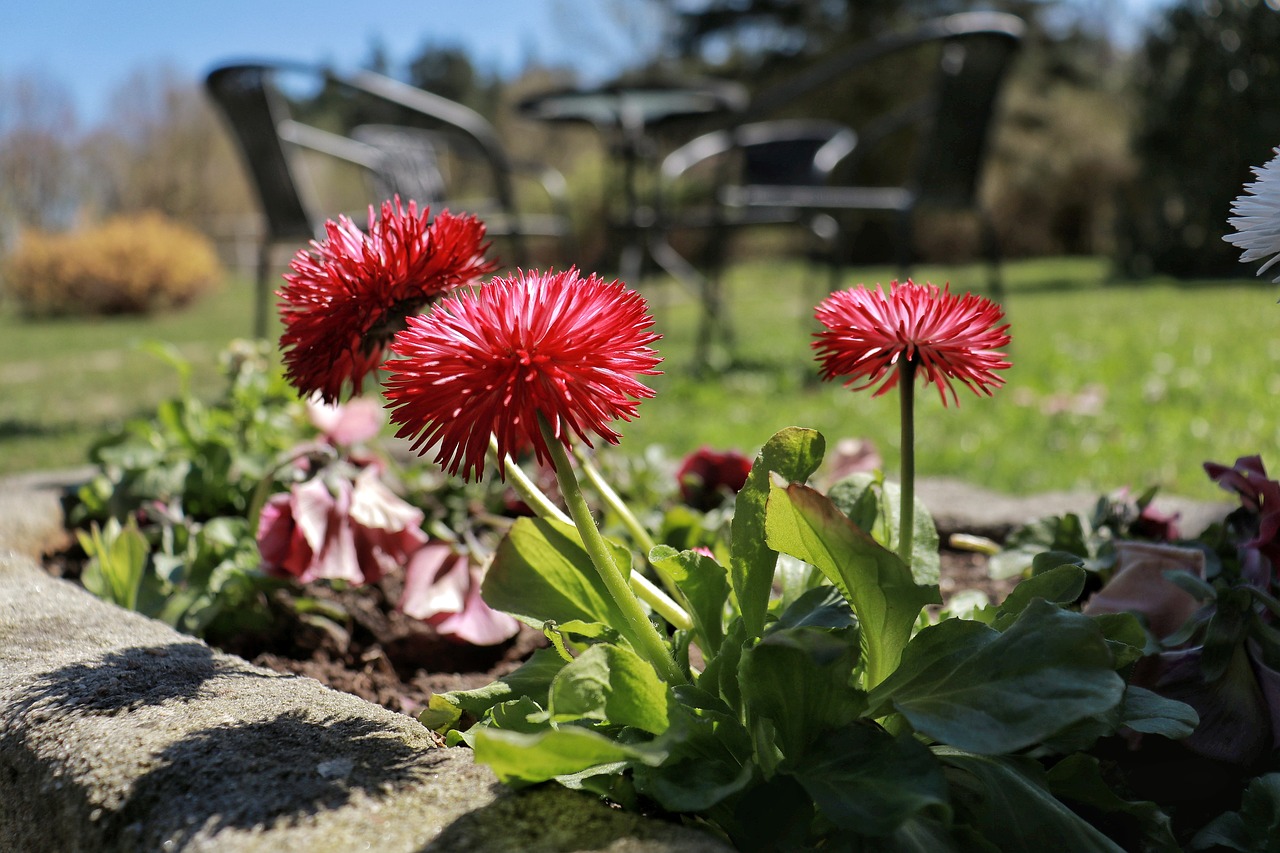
(119, 734)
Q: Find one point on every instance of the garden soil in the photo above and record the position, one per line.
(396, 661)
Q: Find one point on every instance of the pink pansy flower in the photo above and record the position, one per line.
(356, 535)
(442, 588)
(1258, 494)
(345, 424)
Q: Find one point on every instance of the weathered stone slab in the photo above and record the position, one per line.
(119, 734)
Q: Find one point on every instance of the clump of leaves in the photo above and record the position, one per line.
(824, 712)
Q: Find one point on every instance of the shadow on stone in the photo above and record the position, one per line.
(129, 679)
(521, 823)
(262, 774)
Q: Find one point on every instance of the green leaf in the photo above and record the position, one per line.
(720, 676)
(821, 607)
(1007, 801)
(520, 759)
(117, 562)
(794, 454)
(541, 573)
(867, 781)
(1253, 829)
(1145, 711)
(612, 685)
(875, 505)
(705, 584)
(880, 588)
(532, 679)
(1139, 825)
(798, 679)
(1060, 585)
(967, 685)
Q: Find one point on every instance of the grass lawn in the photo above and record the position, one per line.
(1113, 384)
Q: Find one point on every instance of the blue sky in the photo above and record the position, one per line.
(92, 46)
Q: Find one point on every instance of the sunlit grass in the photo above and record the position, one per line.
(1113, 383)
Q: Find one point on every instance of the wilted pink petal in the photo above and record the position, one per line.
(1139, 585)
(442, 587)
(387, 530)
(478, 623)
(348, 423)
(331, 528)
(284, 549)
(435, 582)
(1235, 725)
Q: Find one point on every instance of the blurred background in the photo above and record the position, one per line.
(1123, 131)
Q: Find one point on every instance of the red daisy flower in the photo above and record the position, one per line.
(947, 337)
(348, 295)
(489, 361)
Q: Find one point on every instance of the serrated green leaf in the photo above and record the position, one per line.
(798, 679)
(1145, 711)
(966, 685)
(542, 573)
(794, 454)
(1006, 800)
(1060, 585)
(884, 596)
(612, 685)
(867, 781)
(519, 759)
(705, 584)
(821, 607)
(532, 679)
(874, 504)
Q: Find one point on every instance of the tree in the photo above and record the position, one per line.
(38, 174)
(1207, 85)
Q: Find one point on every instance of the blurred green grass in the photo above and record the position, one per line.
(1113, 384)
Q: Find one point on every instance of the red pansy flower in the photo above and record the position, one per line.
(349, 294)
(490, 361)
(869, 333)
(707, 477)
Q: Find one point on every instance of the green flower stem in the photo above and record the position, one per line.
(545, 509)
(525, 487)
(629, 520)
(651, 645)
(907, 478)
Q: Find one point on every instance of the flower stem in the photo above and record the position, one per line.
(907, 478)
(542, 507)
(629, 520)
(649, 643)
(525, 487)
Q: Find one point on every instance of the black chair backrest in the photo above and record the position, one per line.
(792, 153)
(974, 50)
(949, 163)
(246, 96)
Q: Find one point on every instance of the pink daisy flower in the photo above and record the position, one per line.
(869, 333)
(349, 294)
(490, 361)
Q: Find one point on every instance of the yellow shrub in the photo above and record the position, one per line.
(127, 265)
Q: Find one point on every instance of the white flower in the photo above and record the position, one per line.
(1256, 217)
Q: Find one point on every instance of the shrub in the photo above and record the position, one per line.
(127, 265)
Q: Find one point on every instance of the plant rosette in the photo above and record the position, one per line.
(782, 671)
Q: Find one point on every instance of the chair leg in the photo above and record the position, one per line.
(261, 291)
(906, 235)
(991, 248)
